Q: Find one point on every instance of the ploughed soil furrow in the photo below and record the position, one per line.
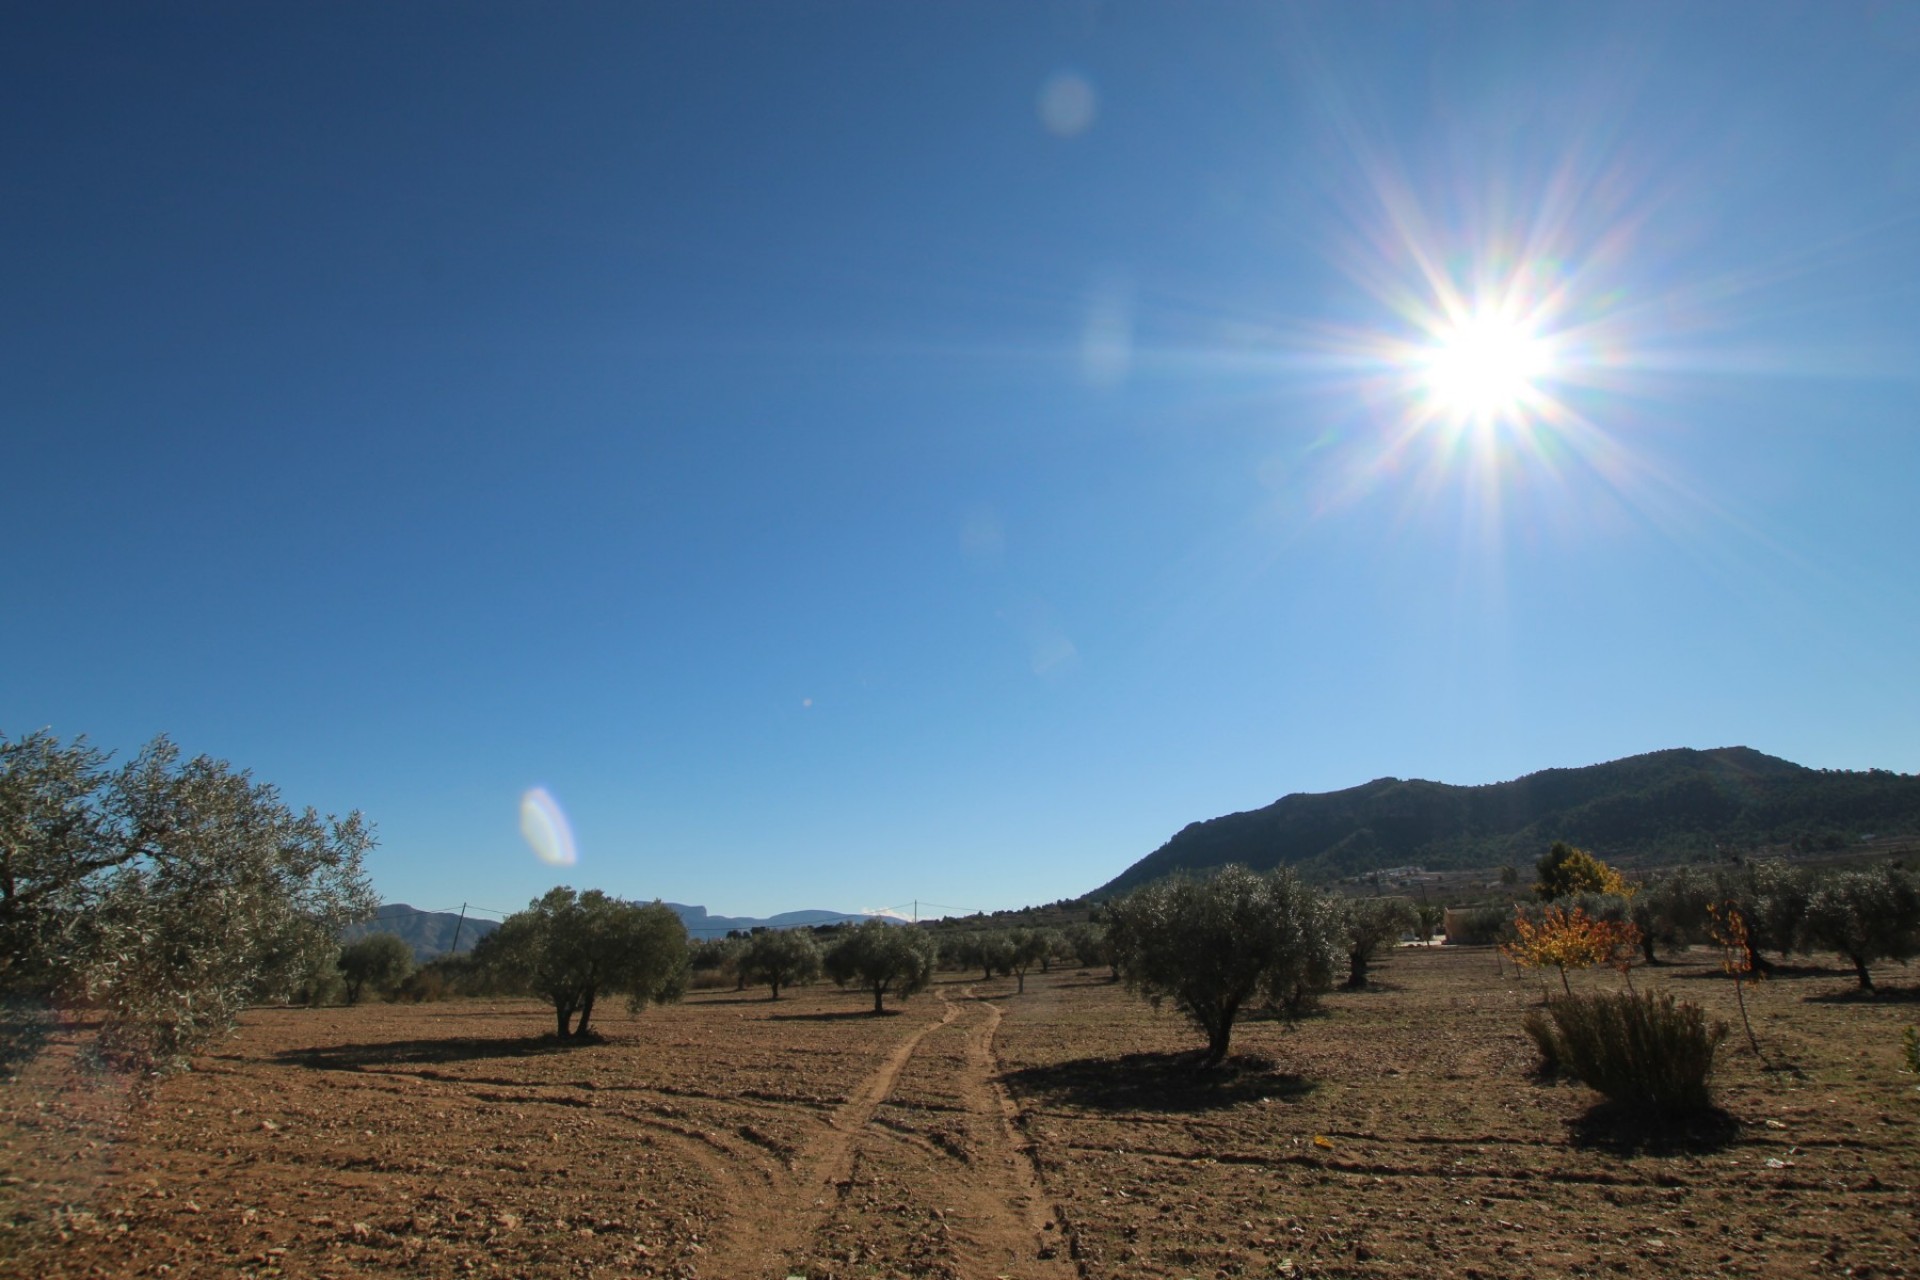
(976, 1131)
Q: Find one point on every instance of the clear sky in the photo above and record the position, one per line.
(856, 453)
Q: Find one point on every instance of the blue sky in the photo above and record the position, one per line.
(857, 453)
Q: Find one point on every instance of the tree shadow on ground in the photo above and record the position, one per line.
(841, 1015)
(1156, 1082)
(1626, 1130)
(392, 1053)
(1882, 994)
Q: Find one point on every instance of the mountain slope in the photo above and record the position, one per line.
(1662, 804)
(432, 933)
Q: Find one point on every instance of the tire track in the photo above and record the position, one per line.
(1012, 1228)
(764, 1233)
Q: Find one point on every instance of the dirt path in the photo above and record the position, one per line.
(977, 1202)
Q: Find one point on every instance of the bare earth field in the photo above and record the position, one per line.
(975, 1133)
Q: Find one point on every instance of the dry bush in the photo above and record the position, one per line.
(1644, 1051)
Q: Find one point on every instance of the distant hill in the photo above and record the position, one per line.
(701, 925)
(1666, 805)
(431, 933)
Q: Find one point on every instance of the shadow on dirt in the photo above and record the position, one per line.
(1879, 995)
(840, 1015)
(1630, 1131)
(1156, 1082)
(391, 1053)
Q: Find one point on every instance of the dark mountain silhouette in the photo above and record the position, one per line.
(1666, 805)
(431, 933)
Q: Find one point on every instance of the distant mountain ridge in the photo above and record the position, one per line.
(1661, 805)
(432, 934)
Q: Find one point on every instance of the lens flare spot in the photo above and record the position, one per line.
(545, 826)
(1068, 104)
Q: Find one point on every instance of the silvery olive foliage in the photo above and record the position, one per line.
(883, 958)
(164, 895)
(569, 948)
(1219, 946)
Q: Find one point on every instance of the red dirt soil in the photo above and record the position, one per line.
(972, 1133)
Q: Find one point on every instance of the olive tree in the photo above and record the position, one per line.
(780, 958)
(1024, 949)
(569, 948)
(379, 960)
(880, 957)
(1865, 916)
(163, 895)
(1217, 946)
(1369, 924)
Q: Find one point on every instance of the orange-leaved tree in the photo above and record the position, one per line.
(1571, 939)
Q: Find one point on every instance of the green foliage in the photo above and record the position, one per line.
(1369, 925)
(165, 895)
(1643, 1050)
(1772, 898)
(1664, 807)
(568, 948)
(780, 958)
(1428, 919)
(880, 957)
(1566, 871)
(1217, 946)
(1024, 949)
(1088, 942)
(1866, 916)
(1671, 911)
(1479, 926)
(379, 960)
(1910, 1048)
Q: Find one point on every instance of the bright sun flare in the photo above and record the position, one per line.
(1484, 367)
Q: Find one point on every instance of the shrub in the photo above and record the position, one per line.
(1538, 1025)
(1910, 1045)
(1643, 1050)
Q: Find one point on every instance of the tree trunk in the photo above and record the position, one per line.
(1356, 970)
(586, 1012)
(776, 989)
(1860, 971)
(1023, 982)
(1217, 1038)
(879, 993)
(563, 1012)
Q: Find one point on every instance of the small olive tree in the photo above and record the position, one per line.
(780, 958)
(880, 957)
(1026, 948)
(1866, 916)
(1369, 925)
(1217, 946)
(569, 948)
(379, 960)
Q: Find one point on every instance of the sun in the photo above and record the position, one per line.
(1484, 367)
